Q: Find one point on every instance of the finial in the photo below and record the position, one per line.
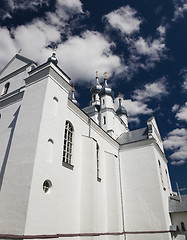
(20, 50)
(90, 103)
(105, 75)
(119, 95)
(73, 87)
(96, 74)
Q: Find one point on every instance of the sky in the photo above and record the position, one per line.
(141, 44)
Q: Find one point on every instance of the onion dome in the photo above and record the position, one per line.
(106, 90)
(53, 57)
(121, 110)
(97, 87)
(73, 96)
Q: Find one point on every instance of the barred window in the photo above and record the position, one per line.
(67, 151)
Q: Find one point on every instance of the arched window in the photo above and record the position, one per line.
(161, 176)
(5, 89)
(68, 136)
(183, 227)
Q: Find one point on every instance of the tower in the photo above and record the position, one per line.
(121, 111)
(94, 91)
(107, 107)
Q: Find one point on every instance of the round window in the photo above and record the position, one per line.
(46, 186)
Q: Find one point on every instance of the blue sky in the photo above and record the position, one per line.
(141, 44)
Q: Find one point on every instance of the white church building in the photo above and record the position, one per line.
(68, 173)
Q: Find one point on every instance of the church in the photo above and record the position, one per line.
(68, 173)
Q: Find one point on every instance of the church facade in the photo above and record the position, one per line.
(71, 173)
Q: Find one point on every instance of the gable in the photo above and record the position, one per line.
(15, 63)
(154, 132)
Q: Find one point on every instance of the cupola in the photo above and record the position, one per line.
(73, 95)
(106, 90)
(53, 57)
(121, 110)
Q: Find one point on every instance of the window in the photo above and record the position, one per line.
(161, 176)
(46, 186)
(183, 227)
(67, 151)
(103, 102)
(98, 163)
(5, 89)
(167, 179)
(104, 120)
(94, 98)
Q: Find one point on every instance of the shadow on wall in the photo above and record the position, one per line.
(12, 126)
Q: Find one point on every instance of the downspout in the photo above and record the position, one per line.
(121, 194)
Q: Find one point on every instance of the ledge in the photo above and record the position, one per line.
(67, 165)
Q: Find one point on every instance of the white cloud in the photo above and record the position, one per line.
(151, 48)
(7, 47)
(177, 142)
(156, 90)
(33, 39)
(124, 19)
(81, 56)
(183, 73)
(145, 53)
(12, 6)
(180, 7)
(175, 108)
(73, 5)
(135, 108)
(182, 113)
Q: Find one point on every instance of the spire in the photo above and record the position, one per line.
(106, 90)
(121, 110)
(73, 95)
(53, 57)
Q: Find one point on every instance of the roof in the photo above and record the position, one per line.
(176, 206)
(133, 136)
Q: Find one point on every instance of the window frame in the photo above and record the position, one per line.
(68, 144)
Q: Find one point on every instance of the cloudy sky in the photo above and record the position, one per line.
(141, 44)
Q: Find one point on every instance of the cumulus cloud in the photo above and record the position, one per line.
(33, 39)
(153, 48)
(65, 10)
(12, 6)
(180, 8)
(92, 52)
(124, 19)
(182, 113)
(177, 142)
(156, 90)
(135, 108)
(145, 53)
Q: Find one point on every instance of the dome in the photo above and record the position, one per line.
(106, 90)
(97, 87)
(121, 110)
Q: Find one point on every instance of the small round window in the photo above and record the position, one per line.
(47, 186)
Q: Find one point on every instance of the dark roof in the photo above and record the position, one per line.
(176, 206)
(133, 136)
(91, 109)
